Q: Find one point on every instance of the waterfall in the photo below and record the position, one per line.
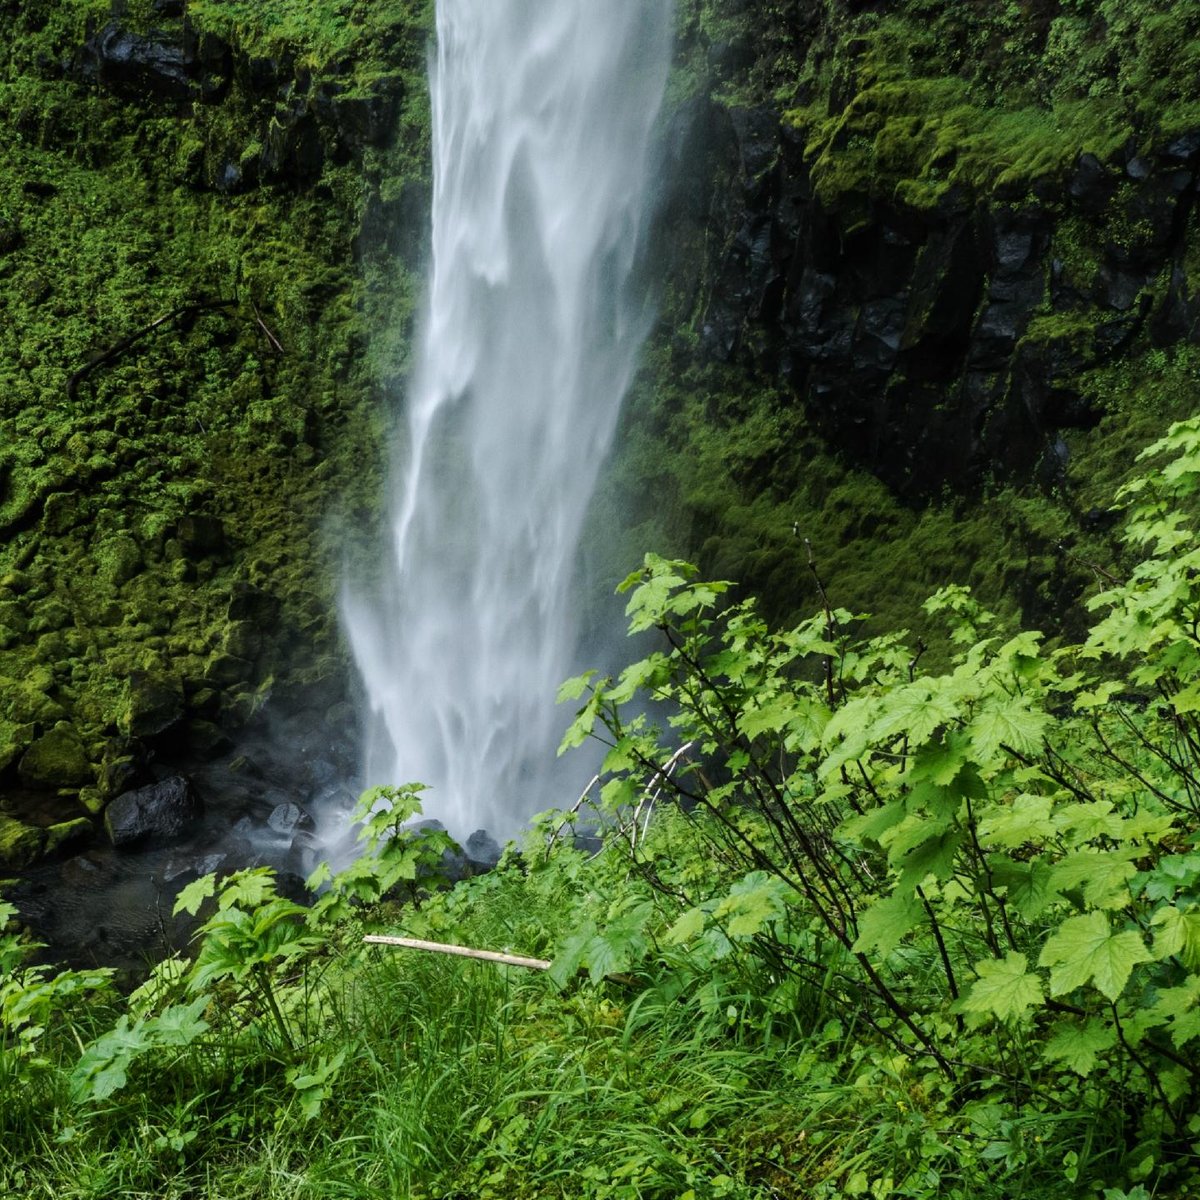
(543, 118)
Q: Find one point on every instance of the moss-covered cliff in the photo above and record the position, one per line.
(932, 286)
(209, 233)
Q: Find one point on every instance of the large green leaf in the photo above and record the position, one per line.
(1086, 949)
(1025, 819)
(1177, 932)
(752, 904)
(1029, 885)
(1005, 988)
(884, 925)
(1006, 721)
(1077, 1044)
(1103, 875)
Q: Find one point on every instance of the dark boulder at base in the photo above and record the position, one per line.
(482, 851)
(161, 811)
(289, 818)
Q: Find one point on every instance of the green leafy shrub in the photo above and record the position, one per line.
(994, 866)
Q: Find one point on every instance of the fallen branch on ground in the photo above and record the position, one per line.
(511, 960)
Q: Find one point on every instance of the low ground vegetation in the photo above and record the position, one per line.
(855, 929)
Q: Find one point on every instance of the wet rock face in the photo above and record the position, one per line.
(159, 812)
(169, 65)
(936, 346)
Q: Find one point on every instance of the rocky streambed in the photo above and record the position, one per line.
(98, 887)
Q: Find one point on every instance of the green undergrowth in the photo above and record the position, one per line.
(847, 924)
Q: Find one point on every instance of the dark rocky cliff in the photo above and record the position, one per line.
(933, 274)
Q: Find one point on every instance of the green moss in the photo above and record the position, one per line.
(917, 140)
(20, 845)
(202, 419)
(320, 30)
(66, 832)
(56, 760)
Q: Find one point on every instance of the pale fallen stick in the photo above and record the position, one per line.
(512, 960)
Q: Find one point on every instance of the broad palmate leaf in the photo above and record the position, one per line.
(1085, 948)
(1005, 988)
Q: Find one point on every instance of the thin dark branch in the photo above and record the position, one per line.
(127, 343)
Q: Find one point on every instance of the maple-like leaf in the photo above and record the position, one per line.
(1005, 988)
(1086, 949)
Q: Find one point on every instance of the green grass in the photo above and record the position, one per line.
(466, 1079)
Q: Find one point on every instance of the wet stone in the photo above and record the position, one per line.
(161, 811)
(197, 867)
(289, 819)
(482, 850)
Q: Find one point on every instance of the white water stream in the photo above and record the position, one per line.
(543, 115)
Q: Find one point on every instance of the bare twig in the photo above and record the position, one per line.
(276, 344)
(574, 809)
(512, 960)
(650, 798)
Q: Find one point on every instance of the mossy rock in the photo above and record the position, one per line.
(118, 560)
(14, 741)
(93, 800)
(151, 707)
(66, 832)
(56, 760)
(21, 845)
(27, 703)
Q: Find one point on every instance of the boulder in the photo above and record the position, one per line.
(21, 845)
(288, 819)
(482, 851)
(118, 775)
(66, 832)
(152, 706)
(161, 811)
(56, 760)
(171, 65)
(153, 64)
(14, 740)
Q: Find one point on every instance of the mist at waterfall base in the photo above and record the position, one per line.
(544, 114)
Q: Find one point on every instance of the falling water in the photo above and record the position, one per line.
(543, 116)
